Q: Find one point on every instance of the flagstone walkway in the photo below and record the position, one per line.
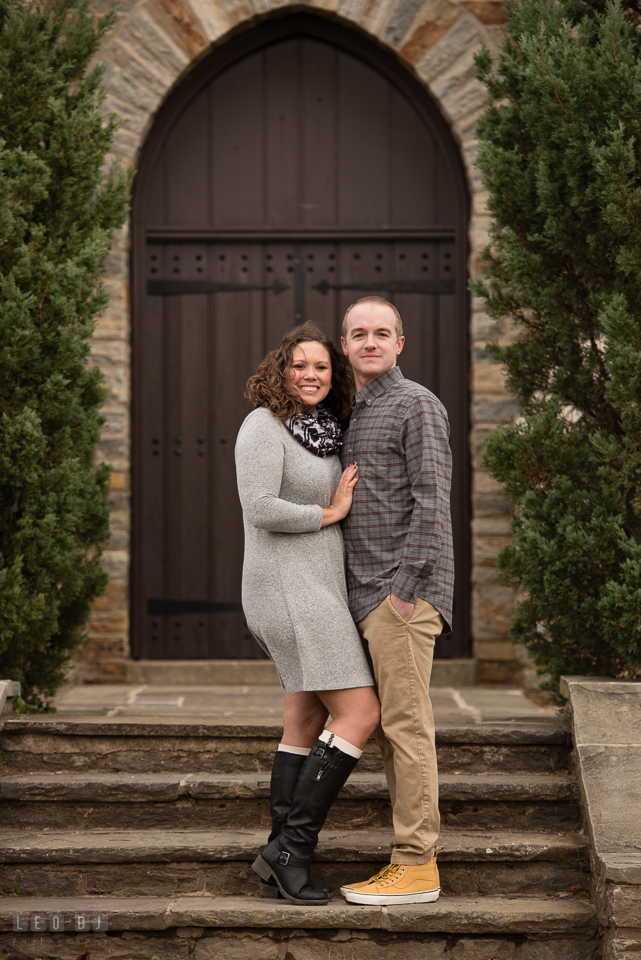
(478, 704)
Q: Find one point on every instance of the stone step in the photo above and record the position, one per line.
(445, 673)
(143, 862)
(142, 801)
(245, 928)
(136, 746)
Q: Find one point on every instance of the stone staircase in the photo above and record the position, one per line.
(155, 826)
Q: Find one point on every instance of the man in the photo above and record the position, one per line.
(400, 574)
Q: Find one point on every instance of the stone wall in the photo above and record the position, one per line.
(152, 47)
(605, 721)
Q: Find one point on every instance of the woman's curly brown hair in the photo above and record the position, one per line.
(268, 387)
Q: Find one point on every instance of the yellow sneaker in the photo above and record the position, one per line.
(365, 883)
(398, 883)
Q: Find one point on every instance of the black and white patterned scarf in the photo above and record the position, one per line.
(321, 434)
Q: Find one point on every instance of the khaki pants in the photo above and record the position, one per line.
(401, 656)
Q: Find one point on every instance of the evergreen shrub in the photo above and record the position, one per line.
(57, 209)
(561, 158)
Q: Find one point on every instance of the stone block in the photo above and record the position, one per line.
(120, 481)
(145, 32)
(116, 379)
(142, 66)
(493, 650)
(117, 421)
(453, 673)
(488, 378)
(626, 905)
(460, 37)
(100, 7)
(484, 328)
(101, 624)
(487, 11)
(485, 550)
(606, 711)
(480, 208)
(329, 5)
(218, 672)
(464, 131)
(115, 452)
(483, 483)
(119, 536)
(493, 526)
(136, 119)
(216, 18)
(115, 597)
(486, 575)
(265, 6)
(350, 9)
(248, 947)
(177, 20)
(374, 16)
(424, 35)
(116, 563)
(496, 671)
(120, 501)
(485, 506)
(68, 946)
(623, 945)
(126, 145)
(114, 323)
(125, 89)
(610, 778)
(493, 608)
(478, 436)
(459, 104)
(480, 353)
(621, 867)
(494, 410)
(402, 18)
(457, 75)
(109, 352)
(99, 649)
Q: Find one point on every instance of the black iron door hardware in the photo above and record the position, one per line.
(168, 288)
(396, 286)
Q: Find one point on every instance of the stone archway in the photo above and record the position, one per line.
(154, 45)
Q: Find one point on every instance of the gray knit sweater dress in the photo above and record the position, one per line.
(294, 593)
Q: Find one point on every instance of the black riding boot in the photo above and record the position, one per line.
(287, 857)
(285, 772)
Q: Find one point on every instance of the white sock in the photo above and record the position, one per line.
(343, 745)
(299, 751)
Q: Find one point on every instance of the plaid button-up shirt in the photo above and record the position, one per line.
(398, 533)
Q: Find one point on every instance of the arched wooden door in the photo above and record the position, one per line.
(297, 169)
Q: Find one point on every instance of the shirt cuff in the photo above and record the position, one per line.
(405, 586)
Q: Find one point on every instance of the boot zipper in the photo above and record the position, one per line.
(324, 768)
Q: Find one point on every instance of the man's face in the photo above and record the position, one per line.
(371, 345)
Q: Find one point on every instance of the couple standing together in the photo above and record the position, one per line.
(334, 654)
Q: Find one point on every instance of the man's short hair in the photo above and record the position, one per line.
(386, 303)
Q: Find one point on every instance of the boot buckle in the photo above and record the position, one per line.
(283, 858)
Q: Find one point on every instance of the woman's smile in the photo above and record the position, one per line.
(311, 372)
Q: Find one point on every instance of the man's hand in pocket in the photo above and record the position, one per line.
(404, 608)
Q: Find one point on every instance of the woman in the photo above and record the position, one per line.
(294, 593)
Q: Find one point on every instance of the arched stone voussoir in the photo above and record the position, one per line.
(155, 43)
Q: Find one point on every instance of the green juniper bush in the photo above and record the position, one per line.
(58, 206)
(560, 155)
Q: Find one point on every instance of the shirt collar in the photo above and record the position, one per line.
(378, 386)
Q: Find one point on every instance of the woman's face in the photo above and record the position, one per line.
(310, 374)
